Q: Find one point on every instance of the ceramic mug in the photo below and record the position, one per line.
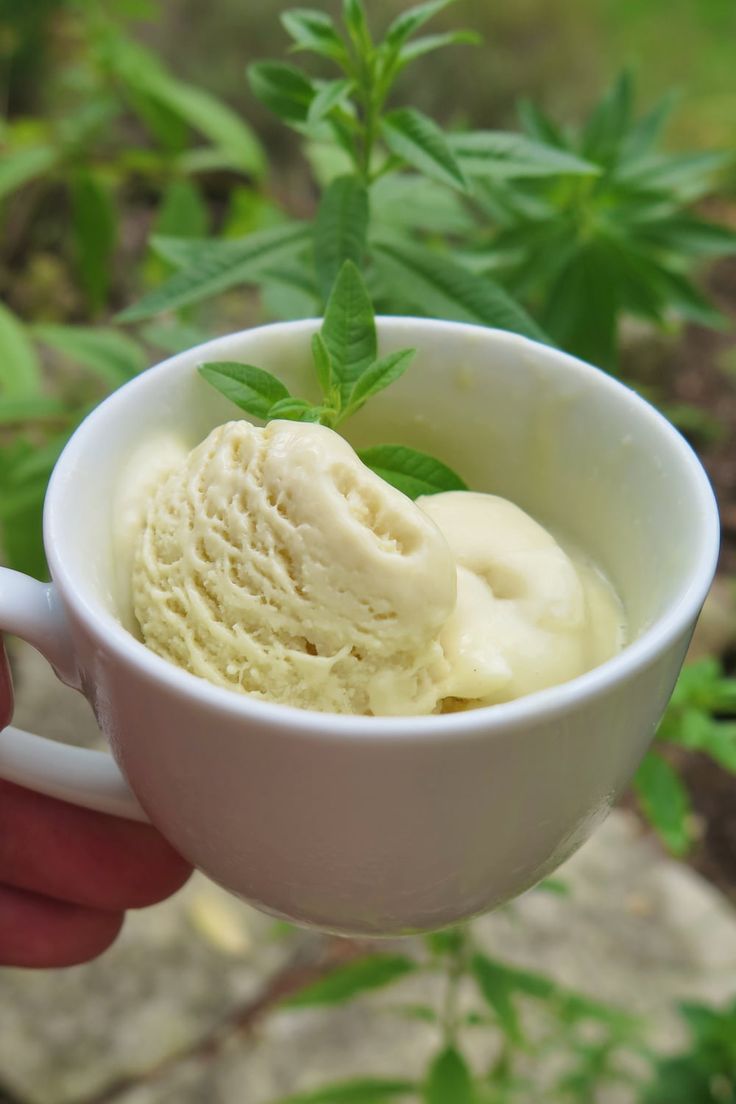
(362, 824)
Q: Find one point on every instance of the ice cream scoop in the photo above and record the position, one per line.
(528, 615)
(271, 561)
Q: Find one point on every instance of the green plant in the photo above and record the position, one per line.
(701, 716)
(583, 226)
(705, 1073)
(366, 154)
(584, 251)
(348, 371)
(81, 153)
(526, 1018)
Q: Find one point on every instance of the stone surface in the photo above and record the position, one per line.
(44, 705)
(635, 930)
(67, 1035)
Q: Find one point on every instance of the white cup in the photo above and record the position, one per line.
(362, 824)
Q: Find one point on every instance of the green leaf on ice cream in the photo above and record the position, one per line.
(252, 389)
(295, 410)
(414, 473)
(378, 376)
(349, 372)
(322, 364)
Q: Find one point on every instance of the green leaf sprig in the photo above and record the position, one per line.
(352, 107)
(589, 1037)
(349, 372)
(375, 150)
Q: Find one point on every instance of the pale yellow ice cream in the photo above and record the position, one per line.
(528, 615)
(272, 562)
(144, 473)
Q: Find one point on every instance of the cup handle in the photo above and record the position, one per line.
(31, 610)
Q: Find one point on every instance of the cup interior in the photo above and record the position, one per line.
(580, 452)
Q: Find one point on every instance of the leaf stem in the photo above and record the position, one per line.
(501, 1068)
(389, 165)
(369, 118)
(450, 1018)
(371, 98)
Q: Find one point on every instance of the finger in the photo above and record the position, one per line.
(87, 858)
(6, 688)
(38, 932)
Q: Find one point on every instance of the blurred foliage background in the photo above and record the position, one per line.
(560, 52)
(133, 118)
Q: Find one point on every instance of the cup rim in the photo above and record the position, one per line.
(480, 721)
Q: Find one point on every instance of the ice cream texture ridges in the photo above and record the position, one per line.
(271, 561)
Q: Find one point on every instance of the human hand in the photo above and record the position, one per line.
(67, 874)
